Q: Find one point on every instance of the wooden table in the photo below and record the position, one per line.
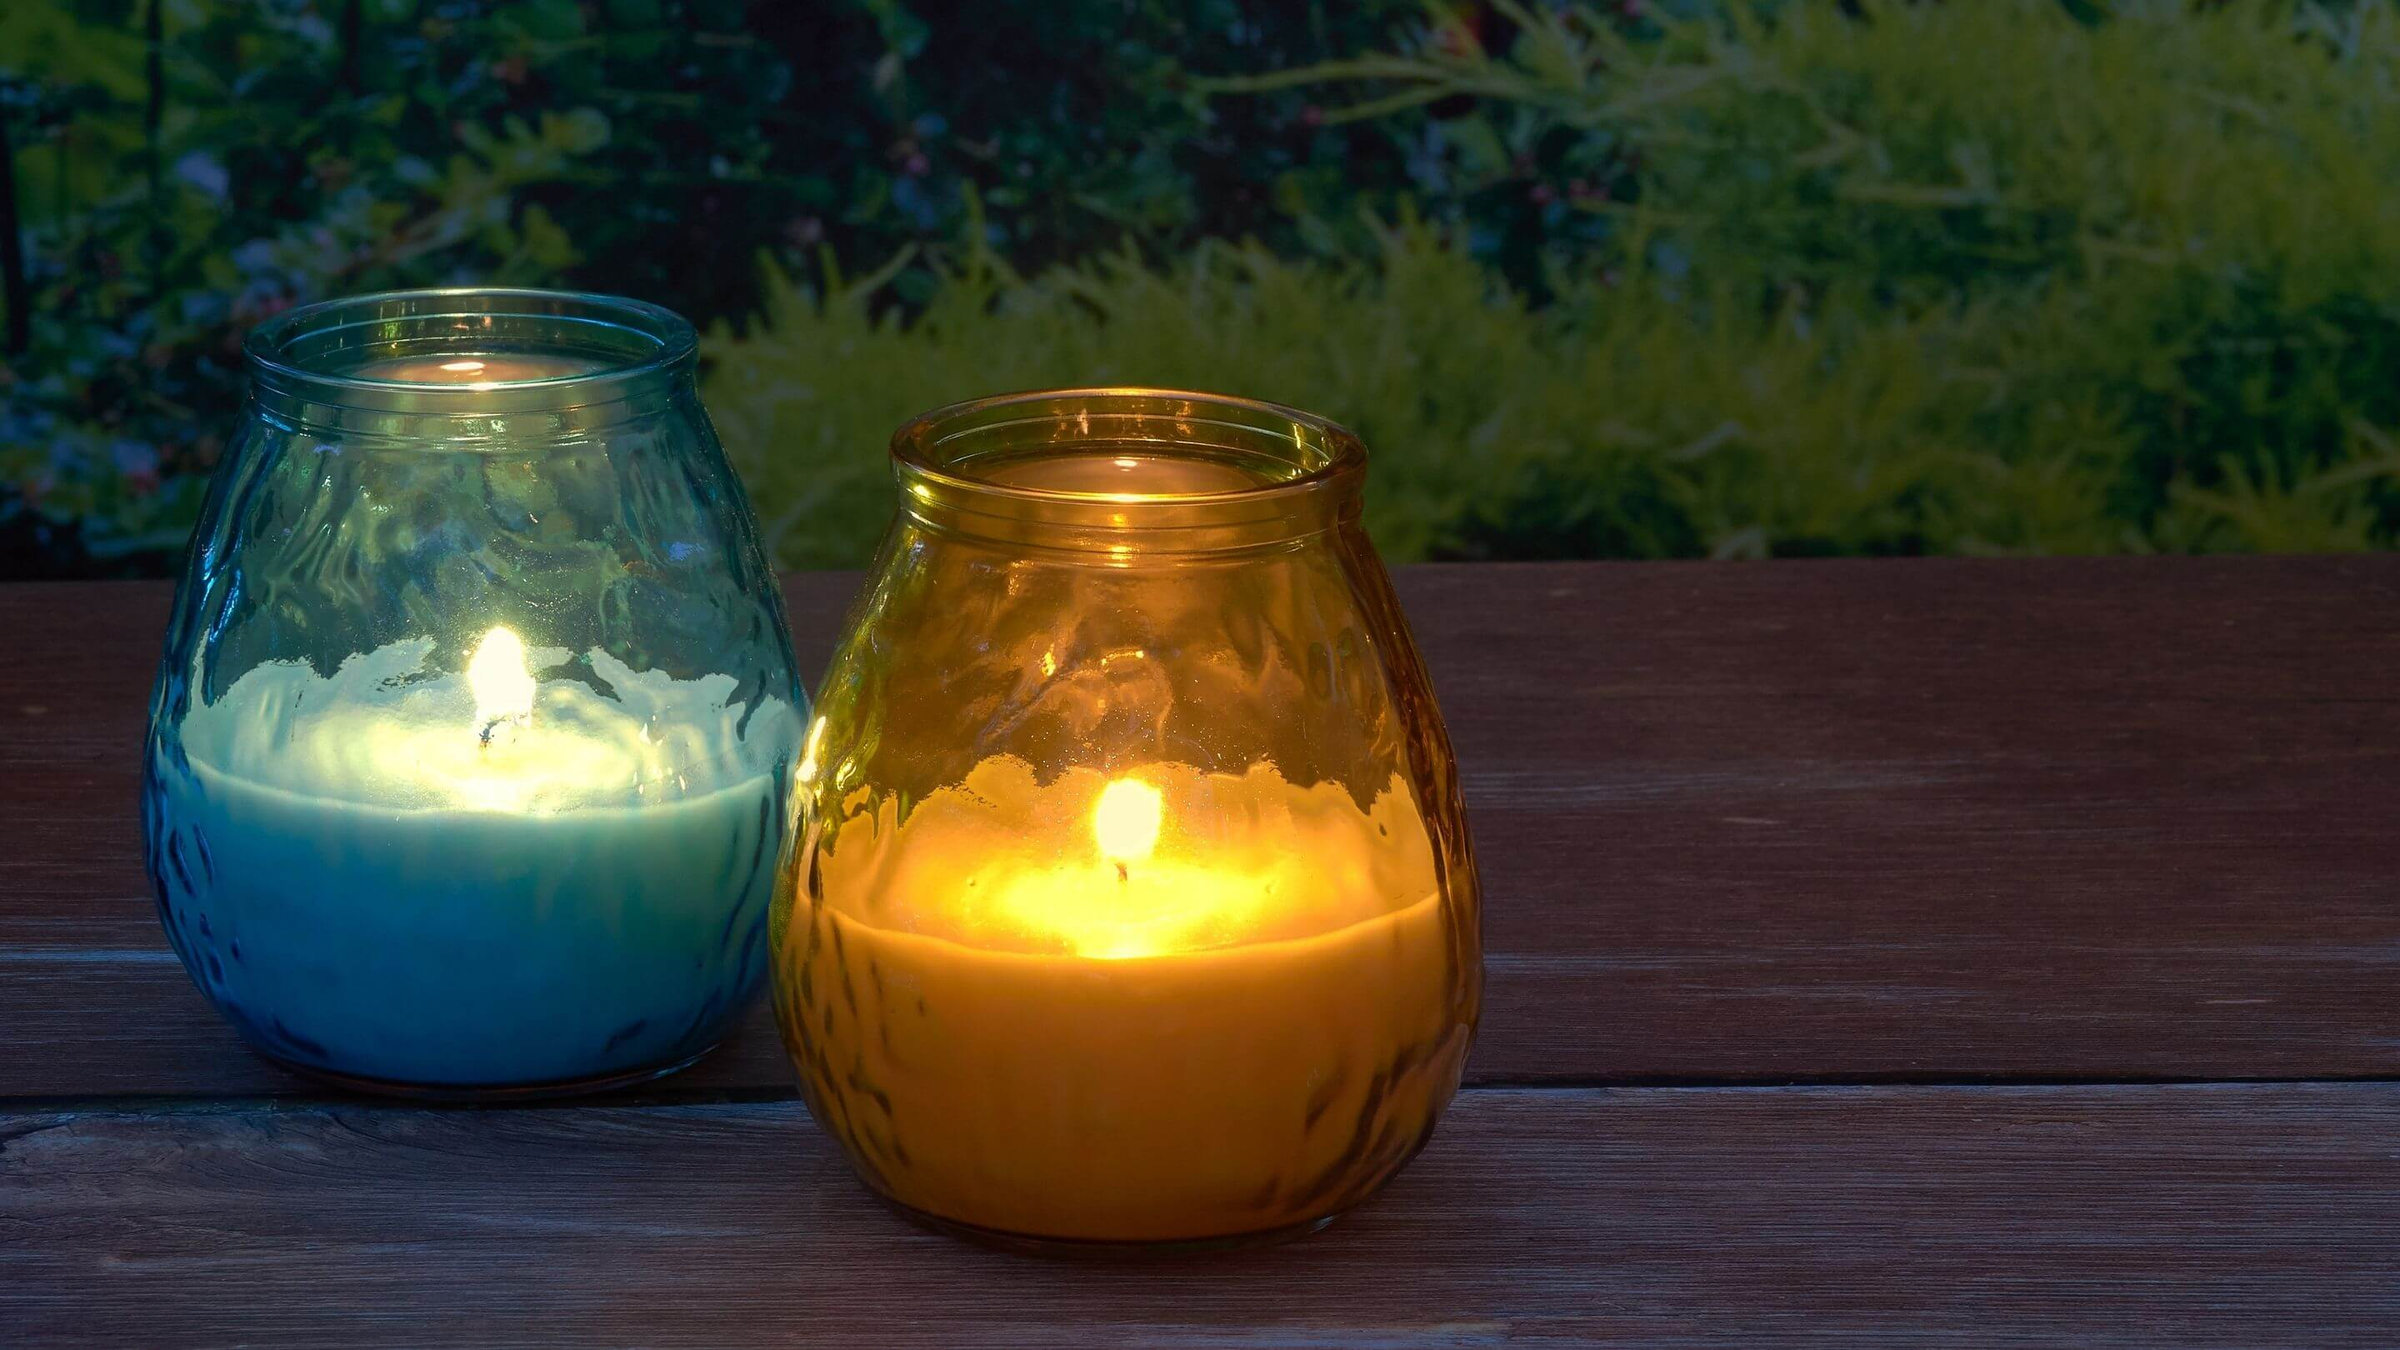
(1880, 952)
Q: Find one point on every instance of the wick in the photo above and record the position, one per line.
(1122, 877)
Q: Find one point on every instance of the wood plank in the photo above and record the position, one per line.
(2217, 1214)
(1895, 820)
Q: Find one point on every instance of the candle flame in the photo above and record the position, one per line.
(503, 686)
(463, 367)
(1127, 819)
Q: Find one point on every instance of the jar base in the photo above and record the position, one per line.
(471, 1094)
(1081, 1249)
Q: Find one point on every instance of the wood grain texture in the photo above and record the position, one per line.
(1911, 820)
(2218, 1214)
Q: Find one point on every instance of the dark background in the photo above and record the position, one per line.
(1701, 279)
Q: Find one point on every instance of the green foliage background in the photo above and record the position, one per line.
(1641, 280)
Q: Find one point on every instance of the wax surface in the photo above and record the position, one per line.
(472, 369)
(367, 884)
(1015, 1030)
(1134, 472)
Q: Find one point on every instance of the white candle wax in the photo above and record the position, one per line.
(476, 879)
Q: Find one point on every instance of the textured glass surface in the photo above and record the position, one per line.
(1134, 902)
(469, 757)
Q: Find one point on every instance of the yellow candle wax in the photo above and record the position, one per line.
(1155, 1005)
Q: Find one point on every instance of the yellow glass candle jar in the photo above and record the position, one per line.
(1132, 901)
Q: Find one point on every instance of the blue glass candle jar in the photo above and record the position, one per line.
(469, 757)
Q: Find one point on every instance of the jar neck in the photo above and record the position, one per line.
(472, 368)
(1123, 472)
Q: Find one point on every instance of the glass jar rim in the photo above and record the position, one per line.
(1307, 470)
(302, 361)
(1340, 457)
